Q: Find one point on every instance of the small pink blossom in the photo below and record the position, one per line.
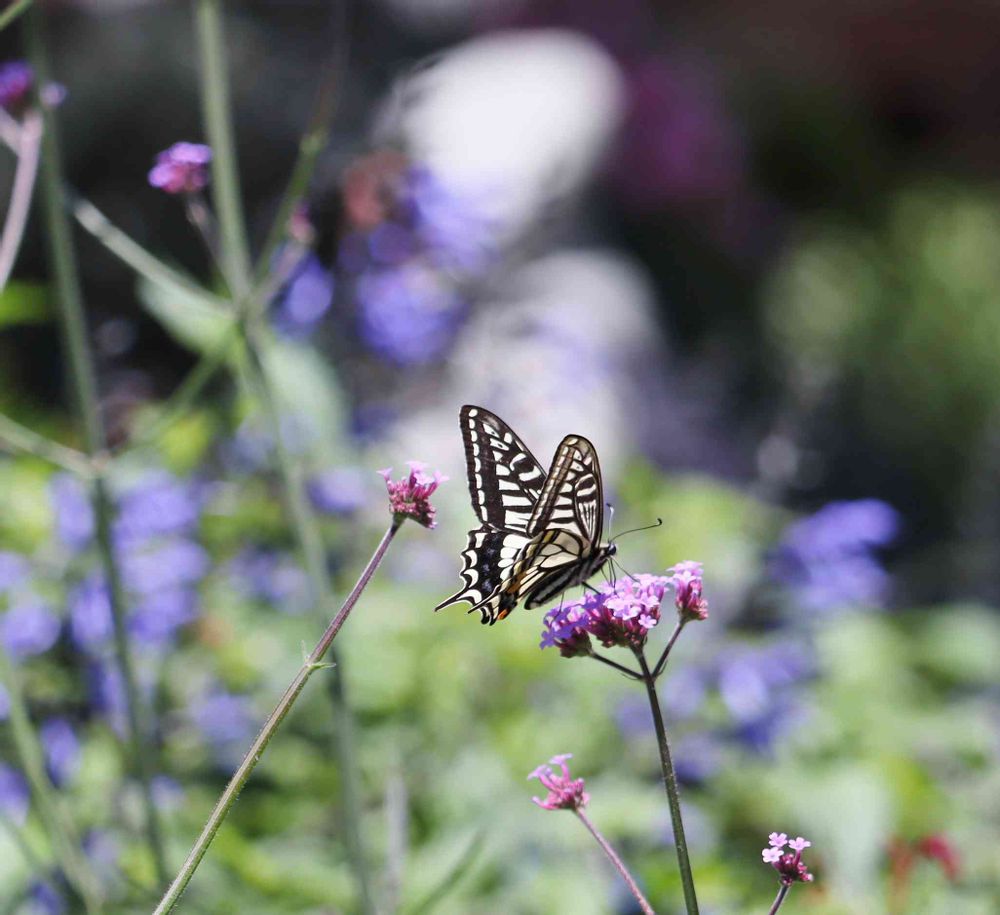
(410, 496)
(788, 864)
(181, 169)
(686, 580)
(565, 793)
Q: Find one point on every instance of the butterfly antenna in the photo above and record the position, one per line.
(634, 530)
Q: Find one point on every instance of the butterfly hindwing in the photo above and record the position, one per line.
(489, 555)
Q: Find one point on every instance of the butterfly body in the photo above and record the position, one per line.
(540, 533)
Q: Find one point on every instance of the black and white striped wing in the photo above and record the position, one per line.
(487, 562)
(572, 498)
(505, 480)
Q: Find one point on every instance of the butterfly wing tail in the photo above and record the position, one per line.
(489, 553)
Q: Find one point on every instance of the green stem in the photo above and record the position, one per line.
(15, 437)
(311, 664)
(662, 662)
(779, 899)
(619, 865)
(670, 783)
(81, 370)
(13, 11)
(217, 115)
(59, 826)
(310, 543)
(29, 143)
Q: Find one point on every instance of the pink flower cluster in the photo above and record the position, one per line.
(619, 613)
(685, 579)
(181, 169)
(788, 864)
(565, 793)
(410, 496)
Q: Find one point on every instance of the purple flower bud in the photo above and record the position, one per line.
(62, 750)
(158, 505)
(565, 793)
(685, 579)
(28, 629)
(410, 496)
(16, 80)
(181, 169)
(15, 797)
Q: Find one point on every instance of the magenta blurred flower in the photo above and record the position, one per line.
(685, 579)
(181, 169)
(410, 496)
(788, 864)
(565, 793)
(16, 80)
(619, 613)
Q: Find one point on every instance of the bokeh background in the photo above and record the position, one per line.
(751, 251)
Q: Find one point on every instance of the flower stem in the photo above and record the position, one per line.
(311, 664)
(621, 668)
(15, 437)
(666, 651)
(217, 113)
(58, 824)
(779, 899)
(670, 783)
(13, 11)
(81, 371)
(617, 862)
(29, 145)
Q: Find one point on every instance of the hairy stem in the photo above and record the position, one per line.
(81, 371)
(779, 899)
(670, 783)
(29, 145)
(60, 827)
(617, 862)
(311, 664)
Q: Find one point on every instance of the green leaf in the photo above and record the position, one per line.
(188, 317)
(24, 303)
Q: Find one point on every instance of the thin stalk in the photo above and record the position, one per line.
(670, 783)
(314, 138)
(310, 542)
(617, 862)
(29, 145)
(779, 899)
(17, 438)
(81, 371)
(217, 113)
(13, 11)
(58, 824)
(311, 664)
(621, 668)
(666, 651)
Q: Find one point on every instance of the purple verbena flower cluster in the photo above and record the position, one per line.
(181, 169)
(565, 792)
(686, 580)
(788, 864)
(410, 496)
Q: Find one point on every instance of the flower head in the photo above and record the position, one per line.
(410, 496)
(788, 864)
(685, 579)
(181, 169)
(16, 79)
(565, 793)
(28, 629)
(617, 613)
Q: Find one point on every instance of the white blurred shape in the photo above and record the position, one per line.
(511, 121)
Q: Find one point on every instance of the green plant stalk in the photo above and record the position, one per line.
(311, 664)
(219, 129)
(81, 371)
(619, 865)
(670, 783)
(13, 11)
(310, 543)
(17, 438)
(779, 899)
(60, 827)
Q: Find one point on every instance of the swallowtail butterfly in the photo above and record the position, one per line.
(540, 533)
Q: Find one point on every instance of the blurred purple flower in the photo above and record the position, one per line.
(270, 577)
(410, 315)
(684, 691)
(28, 629)
(15, 796)
(697, 757)
(390, 244)
(14, 570)
(167, 792)
(183, 168)
(565, 793)
(107, 694)
(227, 721)
(338, 492)
(4, 704)
(305, 300)
(173, 564)
(73, 513)
(16, 80)
(45, 899)
(828, 559)
(410, 496)
(157, 505)
(90, 622)
(103, 852)
(62, 750)
(248, 451)
(155, 621)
